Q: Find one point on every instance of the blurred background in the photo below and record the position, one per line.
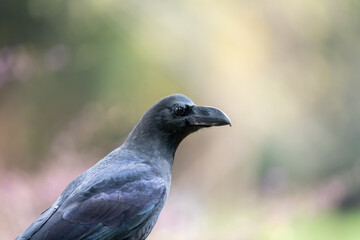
(75, 76)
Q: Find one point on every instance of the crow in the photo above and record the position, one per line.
(121, 196)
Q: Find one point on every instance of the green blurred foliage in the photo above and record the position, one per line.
(68, 54)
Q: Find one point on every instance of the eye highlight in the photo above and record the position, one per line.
(179, 110)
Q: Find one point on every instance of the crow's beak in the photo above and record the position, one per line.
(207, 117)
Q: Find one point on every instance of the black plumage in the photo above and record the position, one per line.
(122, 195)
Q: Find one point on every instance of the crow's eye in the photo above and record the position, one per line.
(179, 110)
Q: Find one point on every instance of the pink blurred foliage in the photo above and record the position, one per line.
(24, 196)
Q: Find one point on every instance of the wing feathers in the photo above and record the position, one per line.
(117, 206)
(113, 208)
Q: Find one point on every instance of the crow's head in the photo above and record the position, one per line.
(174, 117)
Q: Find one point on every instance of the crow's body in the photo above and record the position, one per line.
(121, 196)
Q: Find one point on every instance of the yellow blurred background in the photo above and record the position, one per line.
(75, 76)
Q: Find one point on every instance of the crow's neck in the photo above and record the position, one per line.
(154, 144)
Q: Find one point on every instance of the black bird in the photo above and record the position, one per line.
(121, 196)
